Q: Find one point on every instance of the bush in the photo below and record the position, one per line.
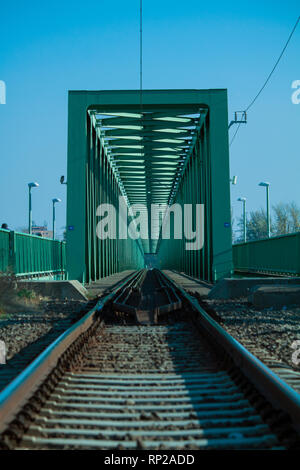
(14, 298)
(26, 294)
(8, 283)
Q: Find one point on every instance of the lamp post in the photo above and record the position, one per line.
(267, 186)
(243, 200)
(30, 186)
(54, 201)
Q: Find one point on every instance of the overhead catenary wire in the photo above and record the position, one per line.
(269, 76)
(275, 66)
(141, 54)
(236, 131)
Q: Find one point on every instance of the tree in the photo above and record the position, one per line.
(233, 237)
(294, 217)
(256, 225)
(285, 219)
(282, 224)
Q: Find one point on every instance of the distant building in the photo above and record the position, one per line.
(41, 231)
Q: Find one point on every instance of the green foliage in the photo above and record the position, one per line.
(12, 298)
(7, 287)
(7, 283)
(26, 294)
(257, 225)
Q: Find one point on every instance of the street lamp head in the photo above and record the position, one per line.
(56, 199)
(264, 183)
(62, 180)
(241, 199)
(33, 185)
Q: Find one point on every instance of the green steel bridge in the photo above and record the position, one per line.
(155, 147)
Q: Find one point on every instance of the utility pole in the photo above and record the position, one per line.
(267, 186)
(30, 186)
(243, 200)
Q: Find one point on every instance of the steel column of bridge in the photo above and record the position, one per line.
(172, 149)
(204, 179)
(193, 188)
(103, 257)
(91, 181)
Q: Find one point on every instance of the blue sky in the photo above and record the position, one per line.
(48, 48)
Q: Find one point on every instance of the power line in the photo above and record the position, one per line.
(234, 135)
(275, 66)
(141, 51)
(270, 74)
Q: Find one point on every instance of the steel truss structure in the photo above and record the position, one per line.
(154, 147)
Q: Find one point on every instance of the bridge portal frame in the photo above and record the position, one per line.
(79, 103)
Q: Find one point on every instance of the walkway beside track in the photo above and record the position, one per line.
(107, 284)
(189, 283)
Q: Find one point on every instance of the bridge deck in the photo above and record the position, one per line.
(107, 283)
(189, 283)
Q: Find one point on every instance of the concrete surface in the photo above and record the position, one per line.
(235, 288)
(274, 296)
(2, 352)
(189, 283)
(74, 290)
(60, 290)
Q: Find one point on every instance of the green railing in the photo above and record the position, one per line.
(25, 254)
(271, 255)
(4, 249)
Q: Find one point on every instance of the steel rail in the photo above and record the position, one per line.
(270, 385)
(22, 388)
(122, 302)
(174, 302)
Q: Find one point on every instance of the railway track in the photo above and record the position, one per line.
(175, 381)
(147, 296)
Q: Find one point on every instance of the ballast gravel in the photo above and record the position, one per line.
(273, 333)
(21, 329)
